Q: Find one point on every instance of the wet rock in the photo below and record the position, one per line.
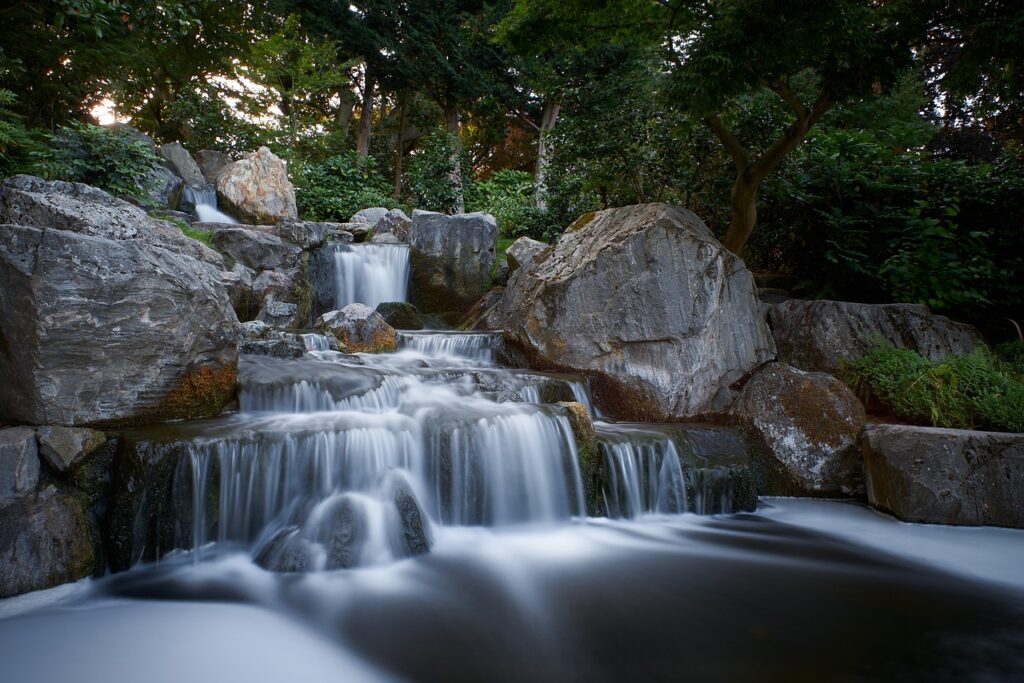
(396, 223)
(238, 283)
(945, 476)
(255, 249)
(256, 189)
(277, 284)
(286, 551)
(65, 447)
(450, 260)
(487, 313)
(369, 216)
(181, 162)
(811, 423)
(525, 251)
(46, 539)
(91, 310)
(163, 187)
(254, 329)
(818, 335)
(279, 313)
(19, 463)
(646, 300)
(168, 215)
(307, 234)
(588, 457)
(504, 387)
(357, 328)
(211, 163)
(414, 538)
(342, 531)
(401, 315)
(358, 230)
(278, 348)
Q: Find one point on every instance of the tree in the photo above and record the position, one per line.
(810, 54)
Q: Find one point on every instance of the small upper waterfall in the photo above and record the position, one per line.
(472, 345)
(205, 201)
(370, 274)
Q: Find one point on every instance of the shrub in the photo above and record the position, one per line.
(339, 186)
(428, 182)
(508, 196)
(17, 143)
(108, 159)
(976, 391)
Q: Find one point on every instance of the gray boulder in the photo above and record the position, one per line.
(357, 328)
(451, 259)
(369, 216)
(413, 528)
(92, 300)
(396, 223)
(46, 539)
(19, 463)
(384, 238)
(256, 189)
(65, 447)
(811, 424)
(487, 313)
(279, 313)
(163, 187)
(648, 302)
(181, 162)
(308, 234)
(524, 251)
(277, 284)
(817, 335)
(254, 248)
(945, 476)
(401, 315)
(211, 163)
(286, 551)
(238, 283)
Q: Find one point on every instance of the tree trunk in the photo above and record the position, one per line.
(366, 115)
(399, 147)
(547, 122)
(451, 117)
(744, 212)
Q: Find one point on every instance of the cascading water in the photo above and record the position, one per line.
(370, 274)
(204, 199)
(474, 346)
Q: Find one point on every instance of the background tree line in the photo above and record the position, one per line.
(868, 150)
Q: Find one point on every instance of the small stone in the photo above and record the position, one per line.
(65, 447)
(358, 329)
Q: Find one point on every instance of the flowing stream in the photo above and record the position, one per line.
(205, 201)
(429, 515)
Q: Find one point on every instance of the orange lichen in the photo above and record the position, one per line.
(202, 392)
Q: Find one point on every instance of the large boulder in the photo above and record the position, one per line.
(401, 315)
(357, 328)
(945, 476)
(256, 189)
(181, 162)
(46, 539)
(369, 216)
(308, 234)
(523, 252)
(396, 223)
(103, 319)
(451, 259)
(648, 302)
(818, 335)
(811, 424)
(254, 248)
(163, 187)
(19, 463)
(211, 163)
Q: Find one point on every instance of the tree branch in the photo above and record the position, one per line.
(739, 155)
(794, 133)
(782, 89)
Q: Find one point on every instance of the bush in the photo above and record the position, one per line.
(428, 182)
(977, 391)
(17, 143)
(508, 196)
(339, 186)
(108, 159)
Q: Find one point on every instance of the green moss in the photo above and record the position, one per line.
(203, 236)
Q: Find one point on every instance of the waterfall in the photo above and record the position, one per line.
(370, 274)
(472, 345)
(644, 476)
(205, 200)
(316, 342)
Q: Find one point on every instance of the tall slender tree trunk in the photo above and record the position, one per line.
(451, 118)
(743, 199)
(547, 123)
(400, 147)
(366, 114)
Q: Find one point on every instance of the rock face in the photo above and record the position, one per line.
(255, 249)
(182, 163)
(400, 315)
(163, 187)
(649, 303)
(817, 335)
(358, 329)
(396, 223)
(92, 299)
(46, 539)
(19, 463)
(811, 423)
(945, 476)
(256, 189)
(524, 251)
(451, 259)
(307, 234)
(211, 163)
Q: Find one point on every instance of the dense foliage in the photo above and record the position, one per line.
(977, 391)
(110, 159)
(336, 188)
